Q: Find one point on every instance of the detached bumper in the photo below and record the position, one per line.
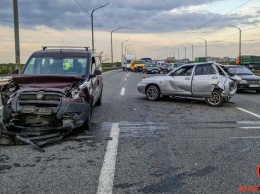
(248, 86)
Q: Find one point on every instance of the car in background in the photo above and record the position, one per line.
(162, 67)
(54, 94)
(151, 68)
(202, 80)
(173, 66)
(249, 81)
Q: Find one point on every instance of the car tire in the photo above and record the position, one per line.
(216, 99)
(87, 124)
(258, 91)
(152, 92)
(99, 101)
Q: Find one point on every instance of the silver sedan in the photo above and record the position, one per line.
(203, 80)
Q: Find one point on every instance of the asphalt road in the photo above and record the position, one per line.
(168, 146)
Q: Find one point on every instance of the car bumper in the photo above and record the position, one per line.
(141, 87)
(248, 86)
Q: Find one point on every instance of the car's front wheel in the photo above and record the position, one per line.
(257, 91)
(152, 93)
(216, 99)
(99, 101)
(87, 123)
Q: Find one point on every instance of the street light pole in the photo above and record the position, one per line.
(16, 35)
(178, 53)
(112, 44)
(205, 47)
(191, 51)
(185, 52)
(92, 26)
(126, 46)
(239, 55)
(122, 46)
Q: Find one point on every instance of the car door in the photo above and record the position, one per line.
(205, 79)
(179, 82)
(94, 80)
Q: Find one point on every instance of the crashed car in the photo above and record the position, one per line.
(54, 94)
(151, 68)
(202, 80)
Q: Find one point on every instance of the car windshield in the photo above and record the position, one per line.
(56, 65)
(151, 65)
(240, 71)
(139, 62)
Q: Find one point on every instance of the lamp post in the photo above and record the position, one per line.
(191, 51)
(185, 52)
(178, 53)
(16, 35)
(205, 47)
(92, 26)
(239, 55)
(122, 46)
(126, 47)
(112, 43)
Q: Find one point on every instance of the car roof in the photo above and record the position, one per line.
(232, 66)
(63, 52)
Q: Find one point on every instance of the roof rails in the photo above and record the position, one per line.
(62, 47)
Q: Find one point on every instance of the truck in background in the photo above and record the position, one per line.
(137, 65)
(126, 61)
(147, 60)
(252, 62)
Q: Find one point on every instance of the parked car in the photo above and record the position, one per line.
(203, 80)
(54, 94)
(151, 68)
(249, 81)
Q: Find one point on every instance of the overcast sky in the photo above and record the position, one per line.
(155, 28)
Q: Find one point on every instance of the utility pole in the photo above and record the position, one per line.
(16, 35)
(178, 54)
(184, 52)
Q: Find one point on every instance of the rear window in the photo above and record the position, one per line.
(55, 65)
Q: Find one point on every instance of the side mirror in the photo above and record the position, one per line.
(92, 76)
(15, 71)
(97, 72)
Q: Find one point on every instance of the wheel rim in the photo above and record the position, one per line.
(152, 92)
(215, 99)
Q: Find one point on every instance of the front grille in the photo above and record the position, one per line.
(253, 82)
(49, 99)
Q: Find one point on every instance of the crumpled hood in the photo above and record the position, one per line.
(45, 81)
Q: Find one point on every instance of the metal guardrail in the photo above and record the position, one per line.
(111, 68)
(3, 81)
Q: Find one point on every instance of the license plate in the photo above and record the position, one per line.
(36, 110)
(254, 85)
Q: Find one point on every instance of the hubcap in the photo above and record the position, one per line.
(215, 99)
(152, 92)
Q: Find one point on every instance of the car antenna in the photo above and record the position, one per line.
(61, 45)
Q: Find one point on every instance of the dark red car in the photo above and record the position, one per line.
(54, 94)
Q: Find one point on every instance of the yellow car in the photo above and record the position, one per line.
(137, 65)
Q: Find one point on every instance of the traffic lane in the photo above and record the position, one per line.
(248, 100)
(71, 166)
(186, 159)
(138, 150)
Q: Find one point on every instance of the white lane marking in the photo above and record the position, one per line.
(249, 122)
(249, 137)
(125, 79)
(250, 127)
(106, 179)
(251, 113)
(122, 91)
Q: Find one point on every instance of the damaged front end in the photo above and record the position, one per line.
(39, 114)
